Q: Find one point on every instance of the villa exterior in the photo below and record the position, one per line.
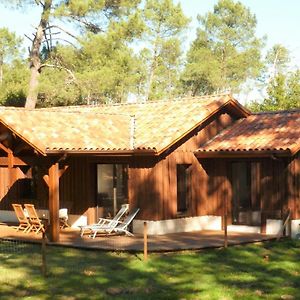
(185, 163)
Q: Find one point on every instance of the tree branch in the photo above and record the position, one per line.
(61, 68)
(31, 40)
(90, 26)
(62, 29)
(64, 40)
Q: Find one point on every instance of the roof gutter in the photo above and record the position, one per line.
(243, 153)
(136, 152)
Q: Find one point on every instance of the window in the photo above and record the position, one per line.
(183, 187)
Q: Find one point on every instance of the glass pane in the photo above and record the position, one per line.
(121, 185)
(241, 177)
(182, 187)
(105, 176)
(110, 178)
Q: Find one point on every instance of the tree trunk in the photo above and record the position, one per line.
(1, 69)
(35, 61)
(150, 81)
(1, 73)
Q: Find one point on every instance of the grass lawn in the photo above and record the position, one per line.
(263, 271)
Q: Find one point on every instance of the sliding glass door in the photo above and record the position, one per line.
(111, 187)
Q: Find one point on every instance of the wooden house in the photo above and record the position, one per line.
(185, 163)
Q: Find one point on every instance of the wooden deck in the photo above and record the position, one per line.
(168, 242)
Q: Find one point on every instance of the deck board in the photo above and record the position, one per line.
(168, 242)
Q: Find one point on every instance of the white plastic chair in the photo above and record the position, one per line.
(63, 218)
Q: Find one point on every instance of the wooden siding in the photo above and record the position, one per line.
(293, 186)
(153, 183)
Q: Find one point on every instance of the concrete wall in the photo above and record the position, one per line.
(179, 225)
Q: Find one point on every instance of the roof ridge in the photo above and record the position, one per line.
(178, 99)
(65, 111)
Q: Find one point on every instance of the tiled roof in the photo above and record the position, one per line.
(45, 130)
(273, 131)
(156, 125)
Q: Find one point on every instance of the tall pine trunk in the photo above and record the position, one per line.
(35, 61)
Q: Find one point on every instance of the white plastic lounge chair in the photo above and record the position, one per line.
(108, 223)
(120, 227)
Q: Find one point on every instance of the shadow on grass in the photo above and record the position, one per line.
(266, 271)
(79, 274)
(270, 270)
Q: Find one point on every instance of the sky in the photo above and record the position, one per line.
(277, 19)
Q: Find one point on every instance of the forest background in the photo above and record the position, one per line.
(105, 51)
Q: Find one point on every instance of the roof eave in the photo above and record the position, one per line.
(32, 145)
(243, 153)
(135, 152)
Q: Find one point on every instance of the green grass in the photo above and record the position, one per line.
(263, 271)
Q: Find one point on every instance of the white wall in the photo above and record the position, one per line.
(179, 225)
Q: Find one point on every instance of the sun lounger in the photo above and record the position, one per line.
(24, 223)
(108, 223)
(120, 227)
(36, 224)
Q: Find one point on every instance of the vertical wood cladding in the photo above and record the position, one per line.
(293, 187)
(153, 183)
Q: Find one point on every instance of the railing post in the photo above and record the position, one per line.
(145, 241)
(225, 224)
(44, 262)
(225, 232)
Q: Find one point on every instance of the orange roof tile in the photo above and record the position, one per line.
(270, 131)
(109, 127)
(49, 131)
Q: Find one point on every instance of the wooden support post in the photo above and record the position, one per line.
(263, 225)
(54, 202)
(10, 159)
(145, 241)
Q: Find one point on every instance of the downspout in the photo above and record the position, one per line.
(132, 131)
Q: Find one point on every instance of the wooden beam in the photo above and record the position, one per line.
(63, 170)
(5, 149)
(16, 161)
(46, 179)
(10, 159)
(54, 202)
